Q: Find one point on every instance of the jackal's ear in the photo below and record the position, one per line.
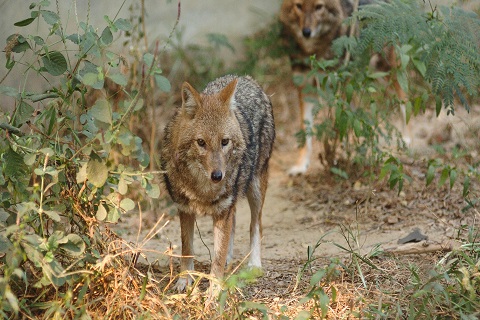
(190, 98)
(227, 95)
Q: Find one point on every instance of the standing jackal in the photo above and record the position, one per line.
(313, 25)
(216, 149)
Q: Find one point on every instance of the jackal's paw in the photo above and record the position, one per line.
(255, 272)
(407, 140)
(182, 284)
(297, 170)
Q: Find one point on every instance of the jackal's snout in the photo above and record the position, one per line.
(216, 176)
(307, 32)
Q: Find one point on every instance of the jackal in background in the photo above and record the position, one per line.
(312, 26)
(216, 149)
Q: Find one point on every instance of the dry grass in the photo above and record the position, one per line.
(122, 290)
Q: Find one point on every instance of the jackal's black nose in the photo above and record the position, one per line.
(216, 176)
(307, 32)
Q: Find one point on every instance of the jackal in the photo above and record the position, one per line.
(313, 25)
(216, 149)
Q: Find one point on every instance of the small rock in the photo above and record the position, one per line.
(357, 185)
(391, 219)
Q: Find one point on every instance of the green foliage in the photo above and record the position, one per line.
(448, 290)
(437, 49)
(265, 53)
(452, 286)
(199, 63)
(58, 174)
(443, 44)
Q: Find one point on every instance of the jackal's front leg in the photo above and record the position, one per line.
(306, 121)
(222, 228)
(187, 221)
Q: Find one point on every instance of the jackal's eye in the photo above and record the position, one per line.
(298, 5)
(225, 142)
(319, 7)
(201, 142)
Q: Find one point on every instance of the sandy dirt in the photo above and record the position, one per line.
(299, 211)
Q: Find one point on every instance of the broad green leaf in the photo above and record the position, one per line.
(153, 191)
(162, 83)
(324, 302)
(417, 106)
(303, 315)
(420, 66)
(107, 36)
(113, 215)
(14, 165)
(349, 92)
(29, 158)
(75, 246)
(24, 22)
(118, 78)
(102, 111)
(110, 23)
(5, 244)
(139, 105)
(21, 44)
(97, 171)
(4, 215)
(317, 277)
(402, 79)
(39, 172)
(342, 124)
(75, 38)
(127, 204)
(23, 113)
(123, 24)
(92, 80)
(47, 151)
(148, 59)
(438, 105)
(404, 59)
(443, 176)
(122, 186)
(52, 215)
(357, 127)
(408, 110)
(50, 17)
(39, 40)
(55, 63)
(453, 177)
(101, 212)
(82, 173)
(9, 91)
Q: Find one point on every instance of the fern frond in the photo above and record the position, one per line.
(446, 40)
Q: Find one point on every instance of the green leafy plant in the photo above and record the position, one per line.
(442, 45)
(438, 61)
(59, 173)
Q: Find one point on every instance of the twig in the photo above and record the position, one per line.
(445, 247)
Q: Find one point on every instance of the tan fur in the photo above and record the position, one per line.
(216, 150)
(322, 17)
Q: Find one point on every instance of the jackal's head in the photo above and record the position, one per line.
(209, 135)
(311, 18)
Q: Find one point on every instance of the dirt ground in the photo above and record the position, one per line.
(300, 211)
